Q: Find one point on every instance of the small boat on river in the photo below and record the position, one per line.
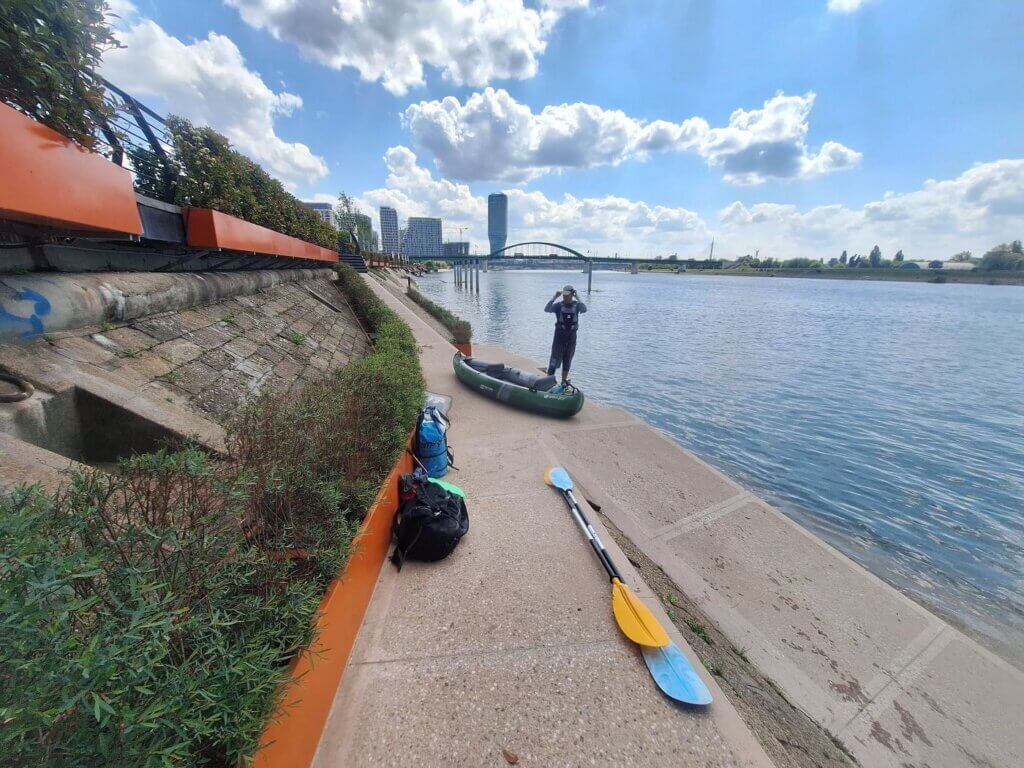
(522, 389)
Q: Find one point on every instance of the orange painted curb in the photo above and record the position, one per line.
(466, 348)
(207, 228)
(48, 179)
(291, 738)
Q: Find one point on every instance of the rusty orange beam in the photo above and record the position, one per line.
(45, 178)
(292, 737)
(207, 228)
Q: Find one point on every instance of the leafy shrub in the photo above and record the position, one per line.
(213, 175)
(140, 627)
(389, 383)
(148, 617)
(49, 51)
(460, 329)
(1004, 257)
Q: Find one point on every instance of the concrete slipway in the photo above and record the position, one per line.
(510, 645)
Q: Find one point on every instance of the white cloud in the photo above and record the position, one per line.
(981, 207)
(491, 136)
(472, 42)
(578, 222)
(208, 82)
(846, 6)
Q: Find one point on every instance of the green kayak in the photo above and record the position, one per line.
(518, 388)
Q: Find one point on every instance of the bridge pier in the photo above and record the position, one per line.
(589, 269)
(486, 264)
(634, 269)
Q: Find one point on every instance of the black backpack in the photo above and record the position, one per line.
(428, 525)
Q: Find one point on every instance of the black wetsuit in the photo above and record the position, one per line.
(567, 322)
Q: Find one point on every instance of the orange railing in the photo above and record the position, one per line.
(207, 228)
(49, 180)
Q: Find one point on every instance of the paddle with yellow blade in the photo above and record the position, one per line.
(634, 618)
(670, 669)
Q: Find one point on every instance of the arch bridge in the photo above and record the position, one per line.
(467, 268)
(538, 249)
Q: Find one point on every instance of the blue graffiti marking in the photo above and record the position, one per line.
(35, 322)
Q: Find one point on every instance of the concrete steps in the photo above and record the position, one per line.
(354, 260)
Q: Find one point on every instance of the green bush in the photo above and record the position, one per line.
(213, 175)
(49, 51)
(140, 627)
(148, 617)
(460, 329)
(389, 383)
(1004, 257)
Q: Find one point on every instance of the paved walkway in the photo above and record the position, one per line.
(510, 643)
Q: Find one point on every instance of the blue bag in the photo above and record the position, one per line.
(431, 444)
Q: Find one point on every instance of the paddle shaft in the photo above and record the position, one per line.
(592, 537)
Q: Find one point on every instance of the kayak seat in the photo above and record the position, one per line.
(513, 375)
(545, 383)
(491, 369)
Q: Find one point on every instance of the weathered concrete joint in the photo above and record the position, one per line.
(36, 304)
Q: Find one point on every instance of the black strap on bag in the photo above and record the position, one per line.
(429, 525)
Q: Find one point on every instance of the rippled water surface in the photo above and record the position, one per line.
(886, 417)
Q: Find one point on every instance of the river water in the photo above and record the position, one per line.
(886, 417)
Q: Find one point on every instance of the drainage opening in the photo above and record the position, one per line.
(85, 427)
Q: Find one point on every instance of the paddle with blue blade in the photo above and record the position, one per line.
(669, 667)
(634, 618)
(675, 675)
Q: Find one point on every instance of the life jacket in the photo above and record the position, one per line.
(567, 316)
(431, 445)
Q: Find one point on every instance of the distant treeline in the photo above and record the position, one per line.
(1003, 257)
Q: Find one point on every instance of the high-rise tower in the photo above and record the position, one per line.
(497, 220)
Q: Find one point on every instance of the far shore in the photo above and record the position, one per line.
(890, 275)
(824, 273)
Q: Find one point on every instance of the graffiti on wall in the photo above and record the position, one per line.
(29, 327)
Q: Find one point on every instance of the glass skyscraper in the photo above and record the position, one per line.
(389, 230)
(497, 220)
(422, 238)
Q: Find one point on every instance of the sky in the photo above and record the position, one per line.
(638, 127)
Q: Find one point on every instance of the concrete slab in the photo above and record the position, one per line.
(513, 585)
(542, 704)
(958, 707)
(22, 463)
(662, 484)
(843, 633)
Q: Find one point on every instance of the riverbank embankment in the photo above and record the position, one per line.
(482, 652)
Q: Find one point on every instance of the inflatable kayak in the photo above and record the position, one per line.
(529, 391)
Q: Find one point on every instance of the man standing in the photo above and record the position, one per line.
(567, 321)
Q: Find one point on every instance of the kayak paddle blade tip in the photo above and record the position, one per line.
(558, 478)
(675, 676)
(635, 619)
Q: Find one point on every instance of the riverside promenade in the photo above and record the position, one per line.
(510, 643)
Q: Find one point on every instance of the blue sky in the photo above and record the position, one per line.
(850, 108)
